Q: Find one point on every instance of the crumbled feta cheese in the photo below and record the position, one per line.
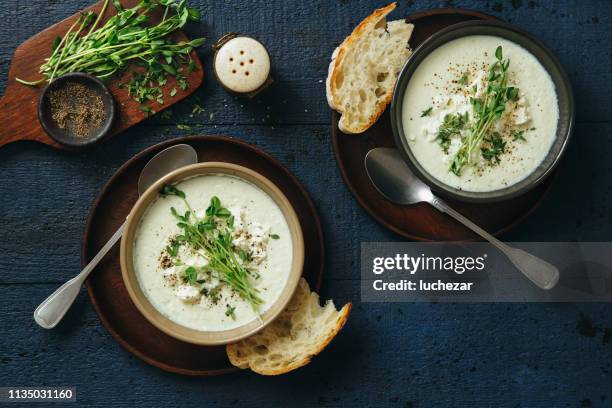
(253, 239)
(170, 276)
(238, 213)
(479, 81)
(191, 258)
(455, 144)
(196, 260)
(188, 293)
(209, 282)
(447, 106)
(521, 113)
(521, 116)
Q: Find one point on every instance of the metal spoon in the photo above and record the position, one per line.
(51, 311)
(394, 180)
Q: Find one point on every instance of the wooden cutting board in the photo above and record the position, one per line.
(18, 106)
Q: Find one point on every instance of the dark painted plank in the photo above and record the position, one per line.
(302, 35)
(427, 354)
(47, 194)
(46, 202)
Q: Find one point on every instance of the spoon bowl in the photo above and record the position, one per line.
(165, 162)
(393, 179)
(391, 176)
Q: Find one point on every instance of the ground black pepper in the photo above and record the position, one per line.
(77, 108)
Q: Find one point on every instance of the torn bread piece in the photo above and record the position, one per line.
(364, 69)
(300, 332)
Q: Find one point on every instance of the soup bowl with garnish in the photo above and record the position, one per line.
(212, 253)
(482, 111)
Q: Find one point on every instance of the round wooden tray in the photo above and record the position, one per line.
(423, 222)
(105, 286)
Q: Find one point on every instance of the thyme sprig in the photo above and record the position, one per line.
(486, 110)
(426, 112)
(452, 125)
(212, 237)
(493, 148)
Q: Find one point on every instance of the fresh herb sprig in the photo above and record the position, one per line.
(230, 311)
(486, 110)
(494, 147)
(452, 125)
(104, 50)
(212, 235)
(426, 112)
(518, 135)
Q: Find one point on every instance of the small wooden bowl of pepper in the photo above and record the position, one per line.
(76, 110)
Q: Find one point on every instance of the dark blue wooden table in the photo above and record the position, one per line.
(404, 355)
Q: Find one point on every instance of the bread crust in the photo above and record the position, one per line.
(232, 350)
(336, 62)
(344, 313)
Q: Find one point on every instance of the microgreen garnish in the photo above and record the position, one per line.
(211, 237)
(147, 110)
(464, 79)
(213, 294)
(169, 190)
(190, 275)
(426, 112)
(486, 110)
(244, 255)
(196, 109)
(106, 49)
(274, 236)
(173, 247)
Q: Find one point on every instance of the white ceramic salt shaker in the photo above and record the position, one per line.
(242, 64)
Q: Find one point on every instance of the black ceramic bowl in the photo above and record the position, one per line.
(549, 62)
(63, 135)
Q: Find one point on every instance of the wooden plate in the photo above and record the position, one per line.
(18, 106)
(105, 286)
(423, 222)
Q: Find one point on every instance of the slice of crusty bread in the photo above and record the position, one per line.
(364, 69)
(298, 334)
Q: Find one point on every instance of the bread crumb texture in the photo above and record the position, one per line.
(300, 332)
(365, 68)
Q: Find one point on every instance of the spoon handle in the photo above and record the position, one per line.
(540, 272)
(51, 311)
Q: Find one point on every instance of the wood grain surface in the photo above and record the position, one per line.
(395, 355)
(19, 105)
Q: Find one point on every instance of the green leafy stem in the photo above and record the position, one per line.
(103, 50)
(486, 111)
(212, 237)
